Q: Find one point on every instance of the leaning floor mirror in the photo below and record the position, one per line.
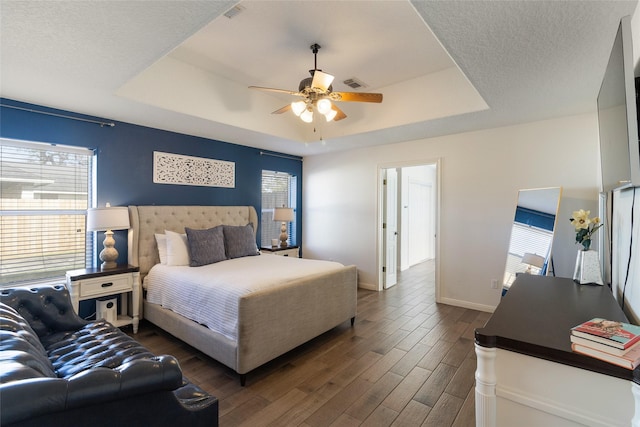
(532, 233)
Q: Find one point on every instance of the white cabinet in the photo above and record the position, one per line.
(93, 283)
(528, 376)
(292, 251)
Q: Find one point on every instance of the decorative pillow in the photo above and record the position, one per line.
(161, 240)
(240, 241)
(205, 246)
(177, 249)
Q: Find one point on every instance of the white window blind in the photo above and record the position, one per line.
(45, 191)
(525, 239)
(278, 190)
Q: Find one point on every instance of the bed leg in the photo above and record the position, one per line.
(353, 320)
(243, 380)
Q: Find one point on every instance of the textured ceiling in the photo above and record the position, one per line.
(182, 66)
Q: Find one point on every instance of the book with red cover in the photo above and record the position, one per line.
(630, 360)
(615, 334)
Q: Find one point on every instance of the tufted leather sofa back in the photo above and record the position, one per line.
(52, 360)
(47, 309)
(22, 354)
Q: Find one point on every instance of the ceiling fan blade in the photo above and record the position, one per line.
(341, 115)
(269, 89)
(321, 80)
(356, 97)
(283, 109)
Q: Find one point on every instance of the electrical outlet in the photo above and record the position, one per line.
(494, 284)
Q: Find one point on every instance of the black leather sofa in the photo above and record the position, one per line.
(57, 369)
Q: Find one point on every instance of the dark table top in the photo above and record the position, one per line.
(88, 273)
(536, 315)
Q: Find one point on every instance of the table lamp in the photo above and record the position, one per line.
(107, 219)
(285, 215)
(532, 260)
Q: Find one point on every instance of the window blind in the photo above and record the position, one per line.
(278, 190)
(45, 191)
(525, 239)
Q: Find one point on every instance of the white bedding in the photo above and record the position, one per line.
(209, 294)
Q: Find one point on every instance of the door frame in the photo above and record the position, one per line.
(391, 271)
(379, 215)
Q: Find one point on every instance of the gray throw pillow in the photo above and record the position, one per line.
(205, 246)
(240, 241)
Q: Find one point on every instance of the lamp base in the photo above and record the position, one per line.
(109, 254)
(108, 265)
(283, 235)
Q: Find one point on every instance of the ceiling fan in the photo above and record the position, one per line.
(318, 94)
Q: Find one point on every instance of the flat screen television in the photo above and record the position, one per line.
(618, 116)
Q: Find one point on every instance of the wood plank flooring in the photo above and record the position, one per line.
(407, 362)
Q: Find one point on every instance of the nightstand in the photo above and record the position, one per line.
(292, 251)
(93, 283)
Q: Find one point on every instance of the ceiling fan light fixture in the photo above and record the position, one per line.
(307, 115)
(298, 107)
(324, 106)
(318, 94)
(330, 115)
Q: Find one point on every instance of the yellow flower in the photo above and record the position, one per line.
(580, 219)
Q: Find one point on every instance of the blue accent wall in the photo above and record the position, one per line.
(125, 161)
(535, 218)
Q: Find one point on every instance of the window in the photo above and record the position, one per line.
(525, 238)
(278, 189)
(45, 191)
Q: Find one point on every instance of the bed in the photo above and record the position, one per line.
(270, 318)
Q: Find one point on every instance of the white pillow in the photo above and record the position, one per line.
(161, 240)
(177, 248)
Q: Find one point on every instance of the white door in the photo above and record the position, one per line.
(420, 235)
(390, 225)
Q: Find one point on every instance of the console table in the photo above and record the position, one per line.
(527, 374)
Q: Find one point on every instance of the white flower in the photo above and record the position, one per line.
(580, 219)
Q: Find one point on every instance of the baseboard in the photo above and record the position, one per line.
(467, 304)
(367, 286)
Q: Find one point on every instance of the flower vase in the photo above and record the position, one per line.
(587, 268)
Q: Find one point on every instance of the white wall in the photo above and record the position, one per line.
(481, 173)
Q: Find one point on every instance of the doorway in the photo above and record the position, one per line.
(408, 213)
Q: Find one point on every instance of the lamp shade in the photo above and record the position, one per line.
(298, 107)
(533, 260)
(307, 116)
(108, 218)
(283, 214)
(323, 106)
(330, 115)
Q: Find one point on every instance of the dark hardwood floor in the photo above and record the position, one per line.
(407, 362)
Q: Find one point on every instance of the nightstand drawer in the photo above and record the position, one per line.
(292, 251)
(288, 252)
(106, 285)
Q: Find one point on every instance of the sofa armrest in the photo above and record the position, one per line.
(44, 406)
(46, 308)
(30, 398)
(33, 397)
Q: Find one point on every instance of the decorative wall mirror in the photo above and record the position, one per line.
(532, 233)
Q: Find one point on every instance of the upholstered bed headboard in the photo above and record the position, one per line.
(148, 220)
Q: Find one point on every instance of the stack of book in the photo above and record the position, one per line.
(613, 342)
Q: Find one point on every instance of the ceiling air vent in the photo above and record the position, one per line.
(231, 13)
(354, 83)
